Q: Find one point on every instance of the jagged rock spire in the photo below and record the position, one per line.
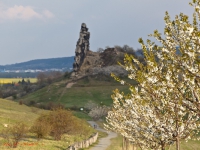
(82, 47)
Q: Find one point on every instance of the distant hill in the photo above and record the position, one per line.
(64, 63)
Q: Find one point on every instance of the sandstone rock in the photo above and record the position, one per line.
(82, 47)
(87, 62)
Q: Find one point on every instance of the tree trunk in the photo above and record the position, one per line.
(177, 143)
(127, 144)
(162, 145)
(134, 147)
(123, 143)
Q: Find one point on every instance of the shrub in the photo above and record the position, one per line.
(20, 102)
(14, 96)
(59, 121)
(99, 112)
(41, 129)
(14, 134)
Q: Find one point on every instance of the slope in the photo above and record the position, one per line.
(12, 112)
(97, 88)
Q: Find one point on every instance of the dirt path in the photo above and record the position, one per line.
(69, 85)
(103, 142)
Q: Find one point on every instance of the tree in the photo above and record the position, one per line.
(164, 105)
(41, 77)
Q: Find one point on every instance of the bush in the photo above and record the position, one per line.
(41, 129)
(20, 102)
(59, 121)
(14, 96)
(67, 75)
(14, 134)
(99, 112)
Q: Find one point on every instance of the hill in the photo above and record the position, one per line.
(63, 63)
(75, 94)
(12, 112)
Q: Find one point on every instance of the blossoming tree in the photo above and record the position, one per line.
(164, 106)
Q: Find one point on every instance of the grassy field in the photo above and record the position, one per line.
(11, 113)
(16, 80)
(116, 144)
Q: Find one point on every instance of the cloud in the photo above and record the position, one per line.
(23, 13)
(48, 14)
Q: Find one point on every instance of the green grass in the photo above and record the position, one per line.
(85, 90)
(82, 115)
(190, 145)
(116, 144)
(11, 112)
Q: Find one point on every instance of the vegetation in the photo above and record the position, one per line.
(14, 131)
(163, 108)
(99, 112)
(59, 122)
(18, 87)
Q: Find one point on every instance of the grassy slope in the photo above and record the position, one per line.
(87, 89)
(11, 112)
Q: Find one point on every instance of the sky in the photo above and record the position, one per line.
(39, 29)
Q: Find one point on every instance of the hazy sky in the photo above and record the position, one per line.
(34, 29)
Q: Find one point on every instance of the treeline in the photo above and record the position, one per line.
(22, 88)
(118, 53)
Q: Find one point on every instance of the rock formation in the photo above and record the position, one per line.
(82, 47)
(87, 62)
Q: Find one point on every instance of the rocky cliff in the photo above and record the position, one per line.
(88, 62)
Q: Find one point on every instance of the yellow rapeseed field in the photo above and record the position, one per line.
(16, 80)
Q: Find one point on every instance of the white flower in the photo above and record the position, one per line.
(165, 50)
(190, 30)
(171, 121)
(122, 82)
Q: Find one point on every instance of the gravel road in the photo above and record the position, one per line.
(103, 142)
